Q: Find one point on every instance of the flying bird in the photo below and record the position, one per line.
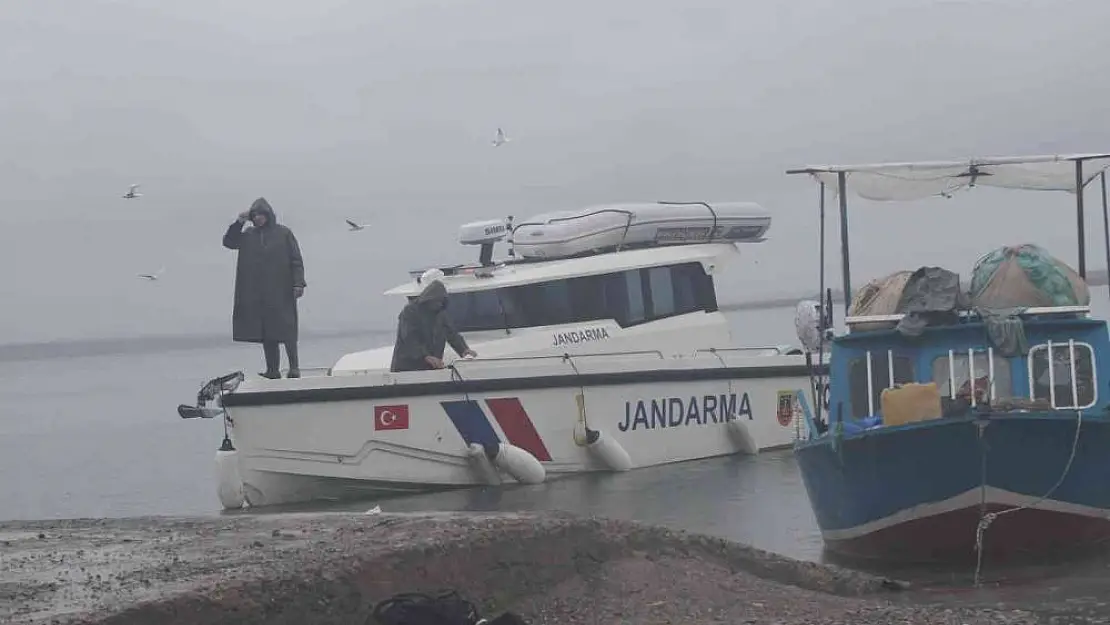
(500, 139)
(355, 227)
(153, 276)
(130, 195)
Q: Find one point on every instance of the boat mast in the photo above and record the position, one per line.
(845, 267)
(845, 260)
(1105, 224)
(1079, 218)
(821, 253)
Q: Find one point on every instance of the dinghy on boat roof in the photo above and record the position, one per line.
(609, 228)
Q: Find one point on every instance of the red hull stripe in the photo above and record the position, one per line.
(517, 426)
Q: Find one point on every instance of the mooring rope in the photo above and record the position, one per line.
(724, 365)
(986, 519)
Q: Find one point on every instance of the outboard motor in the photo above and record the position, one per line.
(212, 389)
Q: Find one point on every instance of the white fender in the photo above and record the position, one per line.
(520, 464)
(229, 484)
(481, 464)
(610, 452)
(807, 323)
(742, 436)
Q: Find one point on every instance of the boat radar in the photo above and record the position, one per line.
(486, 233)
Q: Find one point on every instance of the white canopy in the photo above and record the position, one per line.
(913, 181)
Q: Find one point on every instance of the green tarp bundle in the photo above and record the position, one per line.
(1023, 276)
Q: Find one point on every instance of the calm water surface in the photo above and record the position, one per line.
(99, 436)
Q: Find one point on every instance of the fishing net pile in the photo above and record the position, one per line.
(1004, 282)
(1022, 276)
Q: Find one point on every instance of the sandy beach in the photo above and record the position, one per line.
(313, 569)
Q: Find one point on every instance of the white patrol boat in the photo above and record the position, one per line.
(600, 348)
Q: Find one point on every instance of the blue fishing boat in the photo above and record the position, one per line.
(961, 424)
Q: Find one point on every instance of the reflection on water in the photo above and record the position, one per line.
(759, 500)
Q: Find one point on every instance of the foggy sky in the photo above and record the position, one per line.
(384, 114)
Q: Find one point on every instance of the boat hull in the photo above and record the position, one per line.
(938, 479)
(354, 436)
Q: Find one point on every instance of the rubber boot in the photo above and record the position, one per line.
(294, 360)
(270, 351)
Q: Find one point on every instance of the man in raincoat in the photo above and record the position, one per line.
(269, 278)
(424, 330)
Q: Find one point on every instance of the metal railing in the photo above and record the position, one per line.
(779, 350)
(1038, 310)
(657, 354)
(871, 378)
(971, 352)
(1073, 363)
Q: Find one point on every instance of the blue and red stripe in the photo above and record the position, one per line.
(474, 426)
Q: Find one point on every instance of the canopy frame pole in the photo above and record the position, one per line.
(845, 266)
(1105, 222)
(1080, 221)
(819, 388)
(821, 246)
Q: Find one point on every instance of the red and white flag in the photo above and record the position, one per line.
(391, 417)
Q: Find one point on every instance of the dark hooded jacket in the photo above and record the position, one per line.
(424, 329)
(268, 268)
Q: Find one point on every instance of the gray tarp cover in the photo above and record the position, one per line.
(930, 293)
(934, 294)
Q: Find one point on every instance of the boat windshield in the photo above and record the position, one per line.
(628, 297)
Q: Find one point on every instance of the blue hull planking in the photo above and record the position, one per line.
(913, 492)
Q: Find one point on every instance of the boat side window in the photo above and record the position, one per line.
(693, 289)
(1055, 383)
(662, 291)
(629, 297)
(476, 310)
(544, 303)
(634, 292)
(880, 379)
(960, 375)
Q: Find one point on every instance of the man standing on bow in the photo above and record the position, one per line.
(269, 278)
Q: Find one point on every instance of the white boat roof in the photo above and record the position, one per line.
(919, 180)
(477, 278)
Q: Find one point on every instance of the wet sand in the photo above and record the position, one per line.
(310, 569)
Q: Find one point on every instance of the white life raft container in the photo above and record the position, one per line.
(615, 226)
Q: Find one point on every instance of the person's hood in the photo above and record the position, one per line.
(262, 206)
(434, 292)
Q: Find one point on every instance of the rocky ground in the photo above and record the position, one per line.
(551, 569)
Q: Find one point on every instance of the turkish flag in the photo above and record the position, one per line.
(391, 417)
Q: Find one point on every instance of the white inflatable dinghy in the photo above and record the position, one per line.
(616, 226)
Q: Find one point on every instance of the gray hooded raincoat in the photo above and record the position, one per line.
(424, 329)
(268, 268)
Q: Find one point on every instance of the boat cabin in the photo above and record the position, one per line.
(630, 263)
(605, 279)
(969, 372)
(631, 288)
(1044, 358)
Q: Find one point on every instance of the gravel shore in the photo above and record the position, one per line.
(310, 569)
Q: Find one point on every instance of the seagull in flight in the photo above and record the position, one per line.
(355, 227)
(500, 139)
(130, 195)
(153, 276)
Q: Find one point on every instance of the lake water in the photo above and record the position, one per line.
(99, 436)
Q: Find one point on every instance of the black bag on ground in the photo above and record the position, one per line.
(446, 608)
